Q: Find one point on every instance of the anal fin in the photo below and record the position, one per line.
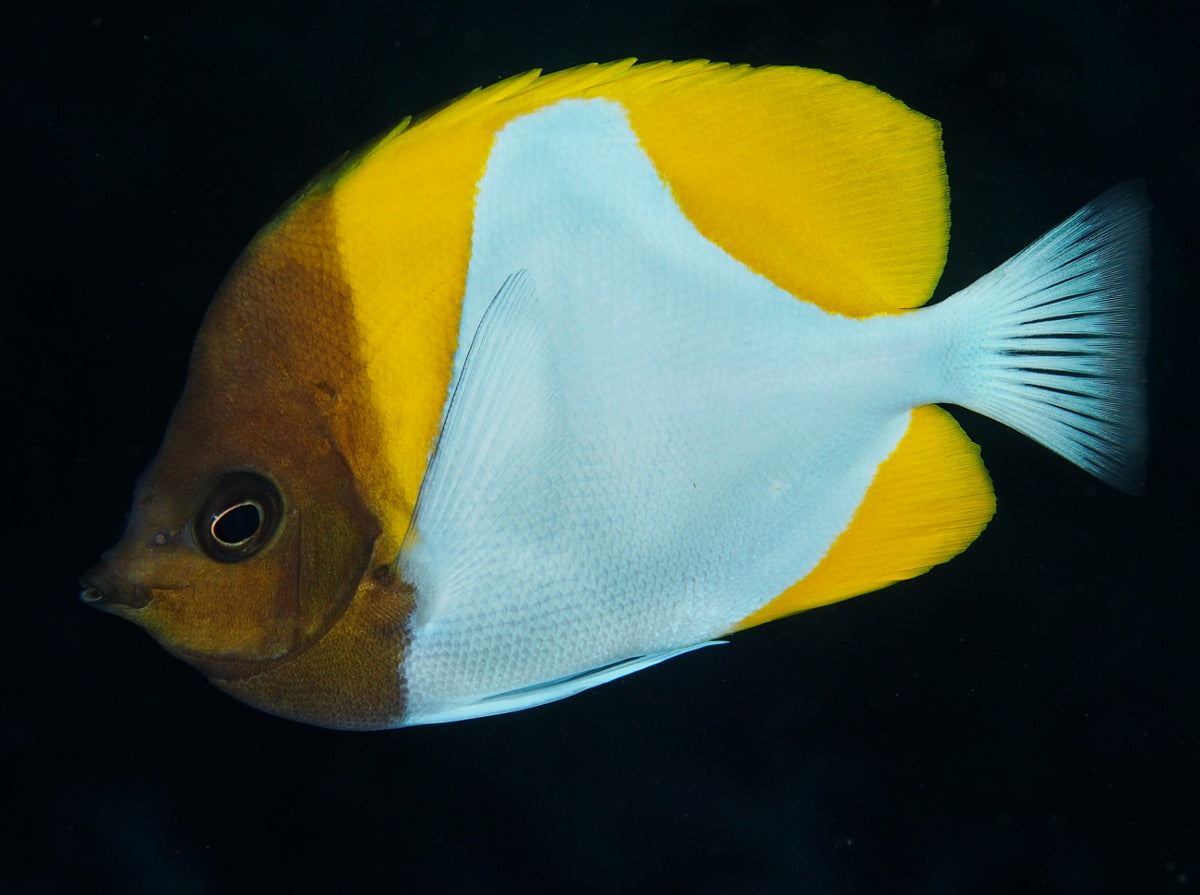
(550, 691)
(930, 499)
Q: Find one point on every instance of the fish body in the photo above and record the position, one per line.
(587, 370)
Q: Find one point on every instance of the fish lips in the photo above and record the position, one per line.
(107, 588)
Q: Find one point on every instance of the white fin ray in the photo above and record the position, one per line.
(484, 431)
(1052, 341)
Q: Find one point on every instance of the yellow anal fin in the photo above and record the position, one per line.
(930, 499)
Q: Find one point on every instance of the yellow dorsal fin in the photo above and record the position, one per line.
(831, 188)
(930, 499)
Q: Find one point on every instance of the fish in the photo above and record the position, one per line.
(584, 371)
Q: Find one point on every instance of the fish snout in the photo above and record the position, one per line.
(106, 588)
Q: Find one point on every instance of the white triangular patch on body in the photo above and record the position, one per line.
(646, 442)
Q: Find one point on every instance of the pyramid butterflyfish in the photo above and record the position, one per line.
(586, 370)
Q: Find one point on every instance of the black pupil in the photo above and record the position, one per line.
(238, 523)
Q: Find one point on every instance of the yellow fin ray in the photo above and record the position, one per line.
(930, 499)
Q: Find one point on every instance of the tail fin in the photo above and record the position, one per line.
(1052, 341)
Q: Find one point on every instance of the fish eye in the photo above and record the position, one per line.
(238, 516)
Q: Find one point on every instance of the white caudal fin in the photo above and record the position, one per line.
(1052, 341)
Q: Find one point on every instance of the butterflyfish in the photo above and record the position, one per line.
(584, 371)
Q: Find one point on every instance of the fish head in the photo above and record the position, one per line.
(209, 568)
(234, 559)
(250, 551)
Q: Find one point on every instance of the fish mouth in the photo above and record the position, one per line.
(106, 588)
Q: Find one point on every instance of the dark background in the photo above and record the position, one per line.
(1023, 719)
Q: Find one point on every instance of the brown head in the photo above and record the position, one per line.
(250, 549)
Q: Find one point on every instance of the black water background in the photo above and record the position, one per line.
(1023, 719)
